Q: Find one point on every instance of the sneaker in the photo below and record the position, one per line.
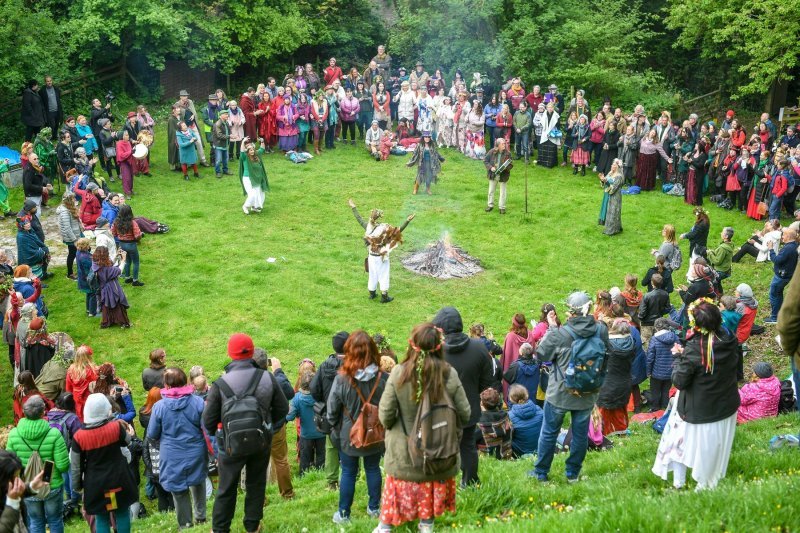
(219, 175)
(373, 513)
(489, 208)
(539, 477)
(128, 280)
(137, 283)
(572, 480)
(425, 528)
(339, 519)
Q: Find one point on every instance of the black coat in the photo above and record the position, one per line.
(666, 284)
(323, 380)
(46, 103)
(707, 396)
(96, 114)
(32, 182)
(616, 389)
(468, 356)
(655, 305)
(701, 288)
(33, 114)
(698, 235)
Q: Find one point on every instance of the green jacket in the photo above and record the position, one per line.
(721, 257)
(397, 401)
(522, 121)
(30, 435)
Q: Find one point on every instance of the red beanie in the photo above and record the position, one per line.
(240, 346)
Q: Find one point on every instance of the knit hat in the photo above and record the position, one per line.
(762, 369)
(97, 409)
(92, 187)
(744, 290)
(101, 222)
(28, 206)
(240, 346)
(579, 303)
(36, 324)
(338, 341)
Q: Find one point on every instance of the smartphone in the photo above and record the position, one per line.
(48, 471)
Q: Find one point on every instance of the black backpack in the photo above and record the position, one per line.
(787, 402)
(244, 429)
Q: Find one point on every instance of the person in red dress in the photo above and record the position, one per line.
(332, 72)
(248, 106)
(267, 124)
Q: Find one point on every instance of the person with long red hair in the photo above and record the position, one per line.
(360, 381)
(80, 374)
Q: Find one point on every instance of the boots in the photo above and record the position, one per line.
(385, 298)
(416, 187)
(316, 146)
(574, 170)
(583, 170)
(372, 295)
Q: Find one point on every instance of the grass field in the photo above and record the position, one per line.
(209, 277)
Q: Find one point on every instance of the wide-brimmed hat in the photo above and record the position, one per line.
(553, 86)
(183, 92)
(419, 64)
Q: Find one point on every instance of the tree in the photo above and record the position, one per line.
(759, 39)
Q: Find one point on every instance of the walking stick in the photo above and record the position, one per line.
(527, 214)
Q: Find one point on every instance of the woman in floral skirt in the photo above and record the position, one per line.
(409, 493)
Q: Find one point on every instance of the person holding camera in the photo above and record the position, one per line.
(117, 390)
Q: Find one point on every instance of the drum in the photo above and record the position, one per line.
(140, 151)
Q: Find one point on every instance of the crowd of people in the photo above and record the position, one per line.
(363, 404)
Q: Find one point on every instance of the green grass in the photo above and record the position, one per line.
(209, 278)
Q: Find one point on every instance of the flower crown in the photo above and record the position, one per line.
(421, 355)
(707, 351)
(692, 307)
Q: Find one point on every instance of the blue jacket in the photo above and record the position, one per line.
(25, 287)
(110, 212)
(490, 110)
(176, 422)
(526, 372)
(785, 262)
(527, 421)
(84, 262)
(302, 405)
(659, 355)
(639, 365)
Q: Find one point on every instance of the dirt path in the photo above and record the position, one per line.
(58, 251)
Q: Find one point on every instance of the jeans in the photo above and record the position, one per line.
(46, 513)
(71, 494)
(230, 471)
(347, 484)
(351, 127)
(190, 503)
(551, 428)
(469, 457)
(522, 143)
(330, 135)
(489, 136)
(122, 518)
(776, 295)
(71, 253)
(91, 303)
(331, 461)
(775, 208)
(364, 122)
(312, 454)
(132, 257)
(220, 160)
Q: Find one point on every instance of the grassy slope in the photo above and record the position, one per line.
(209, 277)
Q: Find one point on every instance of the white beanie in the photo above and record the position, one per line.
(97, 409)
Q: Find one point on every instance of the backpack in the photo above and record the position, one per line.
(245, 432)
(433, 444)
(320, 418)
(676, 260)
(61, 426)
(787, 403)
(586, 370)
(34, 468)
(367, 430)
(92, 282)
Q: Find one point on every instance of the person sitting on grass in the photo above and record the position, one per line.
(760, 397)
(312, 442)
(730, 315)
(525, 371)
(721, 257)
(494, 432)
(747, 306)
(526, 418)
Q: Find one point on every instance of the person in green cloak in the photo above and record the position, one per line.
(5, 209)
(253, 176)
(44, 148)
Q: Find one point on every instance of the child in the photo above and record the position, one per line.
(312, 442)
(632, 297)
(659, 364)
(195, 371)
(387, 364)
(747, 306)
(760, 398)
(526, 418)
(524, 371)
(730, 316)
(200, 384)
(494, 432)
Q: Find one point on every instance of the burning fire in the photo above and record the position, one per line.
(443, 260)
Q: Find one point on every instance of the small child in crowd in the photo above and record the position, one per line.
(760, 398)
(526, 418)
(524, 371)
(659, 364)
(730, 316)
(494, 432)
(312, 442)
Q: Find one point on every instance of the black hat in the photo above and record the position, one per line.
(338, 341)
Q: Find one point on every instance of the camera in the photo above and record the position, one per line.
(110, 97)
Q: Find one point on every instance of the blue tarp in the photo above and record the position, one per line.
(12, 155)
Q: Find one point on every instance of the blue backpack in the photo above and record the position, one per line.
(586, 370)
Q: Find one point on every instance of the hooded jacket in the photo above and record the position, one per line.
(344, 407)
(556, 347)
(323, 379)
(37, 435)
(468, 356)
(526, 372)
(707, 396)
(302, 406)
(759, 399)
(176, 421)
(616, 388)
(527, 421)
(659, 354)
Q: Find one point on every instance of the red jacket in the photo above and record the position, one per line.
(330, 74)
(534, 101)
(746, 324)
(738, 137)
(248, 107)
(90, 210)
(779, 185)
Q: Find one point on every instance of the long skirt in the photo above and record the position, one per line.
(126, 175)
(757, 194)
(141, 166)
(694, 187)
(287, 142)
(646, 167)
(548, 154)
(606, 158)
(406, 501)
(671, 452)
(114, 316)
(255, 196)
(708, 449)
(580, 156)
(615, 421)
(461, 136)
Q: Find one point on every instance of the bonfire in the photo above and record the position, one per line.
(443, 260)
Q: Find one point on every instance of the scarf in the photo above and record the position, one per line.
(288, 113)
(743, 302)
(583, 130)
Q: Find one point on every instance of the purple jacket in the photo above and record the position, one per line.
(349, 108)
(111, 294)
